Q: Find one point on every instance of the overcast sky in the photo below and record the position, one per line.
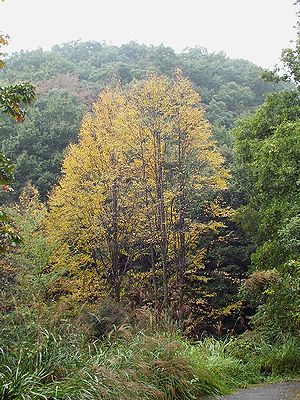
(253, 29)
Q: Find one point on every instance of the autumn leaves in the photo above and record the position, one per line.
(124, 213)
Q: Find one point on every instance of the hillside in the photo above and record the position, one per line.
(70, 76)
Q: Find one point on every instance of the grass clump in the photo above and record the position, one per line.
(282, 358)
(166, 362)
(36, 363)
(229, 368)
(271, 360)
(65, 363)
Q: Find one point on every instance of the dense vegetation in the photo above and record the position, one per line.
(69, 77)
(12, 99)
(139, 239)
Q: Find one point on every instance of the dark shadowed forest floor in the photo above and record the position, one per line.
(274, 391)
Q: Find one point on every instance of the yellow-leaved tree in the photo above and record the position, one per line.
(129, 199)
(180, 168)
(92, 209)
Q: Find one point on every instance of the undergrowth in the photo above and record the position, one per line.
(38, 364)
(64, 363)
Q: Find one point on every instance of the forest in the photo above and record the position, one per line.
(149, 222)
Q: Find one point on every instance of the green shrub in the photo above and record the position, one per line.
(268, 359)
(279, 316)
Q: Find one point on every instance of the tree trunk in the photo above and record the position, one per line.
(116, 276)
(161, 214)
(181, 228)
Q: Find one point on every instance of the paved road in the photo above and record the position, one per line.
(274, 391)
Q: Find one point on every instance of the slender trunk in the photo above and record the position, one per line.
(95, 264)
(181, 227)
(152, 253)
(116, 282)
(162, 216)
(153, 269)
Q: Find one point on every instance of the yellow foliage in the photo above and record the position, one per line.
(144, 158)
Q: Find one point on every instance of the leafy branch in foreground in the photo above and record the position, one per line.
(12, 98)
(8, 237)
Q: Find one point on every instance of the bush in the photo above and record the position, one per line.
(268, 359)
(254, 289)
(279, 316)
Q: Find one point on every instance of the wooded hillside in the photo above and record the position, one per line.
(70, 76)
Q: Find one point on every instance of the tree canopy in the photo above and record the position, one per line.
(267, 153)
(228, 89)
(125, 208)
(267, 148)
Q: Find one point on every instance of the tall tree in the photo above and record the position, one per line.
(144, 159)
(92, 209)
(267, 154)
(182, 165)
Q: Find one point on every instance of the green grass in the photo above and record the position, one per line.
(36, 363)
(273, 360)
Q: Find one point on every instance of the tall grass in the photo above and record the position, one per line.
(272, 360)
(38, 363)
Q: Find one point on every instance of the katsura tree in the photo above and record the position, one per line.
(131, 189)
(12, 98)
(93, 210)
(181, 166)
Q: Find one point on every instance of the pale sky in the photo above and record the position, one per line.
(256, 30)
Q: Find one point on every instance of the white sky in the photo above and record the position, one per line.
(253, 29)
